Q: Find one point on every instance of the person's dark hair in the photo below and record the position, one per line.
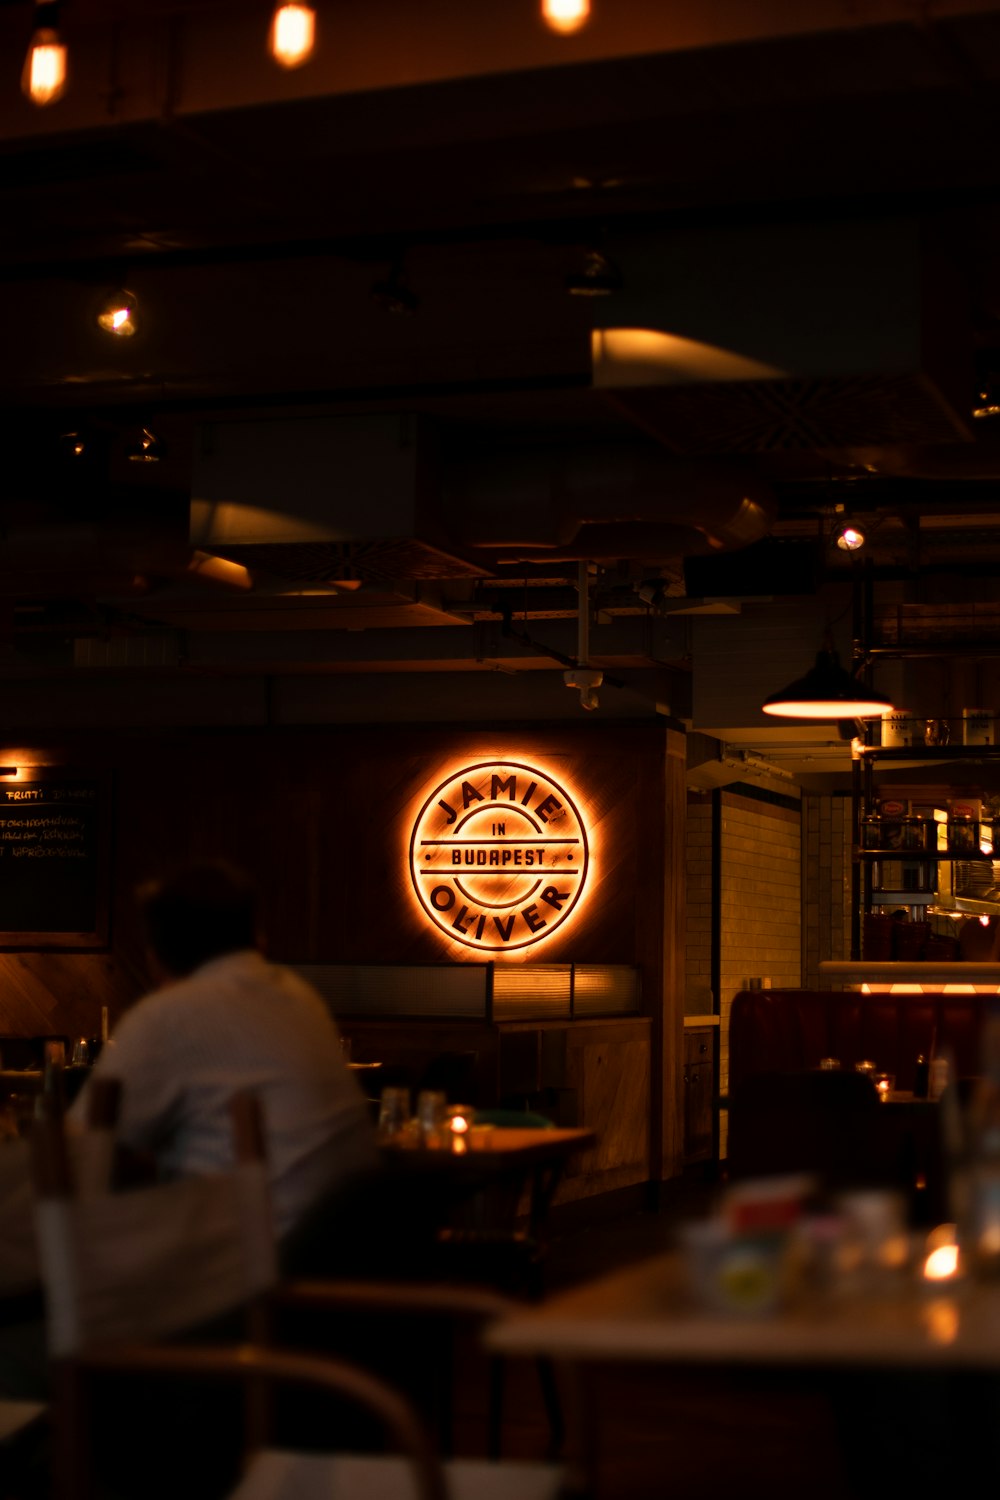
(197, 912)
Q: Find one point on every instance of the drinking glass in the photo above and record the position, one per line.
(431, 1105)
(393, 1113)
(80, 1057)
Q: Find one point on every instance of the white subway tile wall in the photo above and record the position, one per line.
(760, 908)
(761, 902)
(826, 885)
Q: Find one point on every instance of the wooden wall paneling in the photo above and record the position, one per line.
(608, 1063)
(320, 817)
(60, 993)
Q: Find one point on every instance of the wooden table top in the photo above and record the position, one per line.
(493, 1149)
(647, 1313)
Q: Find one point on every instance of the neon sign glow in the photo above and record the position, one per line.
(499, 856)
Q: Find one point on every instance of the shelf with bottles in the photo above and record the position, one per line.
(976, 733)
(961, 830)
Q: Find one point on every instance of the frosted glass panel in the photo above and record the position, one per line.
(401, 989)
(605, 990)
(539, 991)
(520, 992)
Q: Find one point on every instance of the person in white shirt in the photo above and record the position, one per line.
(224, 1019)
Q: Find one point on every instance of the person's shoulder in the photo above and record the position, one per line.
(156, 1006)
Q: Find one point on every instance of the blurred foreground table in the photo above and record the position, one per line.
(647, 1312)
(910, 1378)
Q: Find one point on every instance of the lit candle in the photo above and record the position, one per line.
(885, 1083)
(459, 1120)
(941, 1263)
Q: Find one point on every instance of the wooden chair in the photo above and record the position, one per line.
(23, 1421)
(129, 1275)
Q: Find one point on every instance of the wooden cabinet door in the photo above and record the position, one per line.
(699, 1094)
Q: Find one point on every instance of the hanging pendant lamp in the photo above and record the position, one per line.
(827, 692)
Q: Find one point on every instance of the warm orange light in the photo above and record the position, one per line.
(44, 77)
(117, 314)
(850, 539)
(565, 16)
(499, 856)
(230, 574)
(293, 34)
(941, 1263)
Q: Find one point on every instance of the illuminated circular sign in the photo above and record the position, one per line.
(498, 856)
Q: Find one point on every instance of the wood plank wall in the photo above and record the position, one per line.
(321, 816)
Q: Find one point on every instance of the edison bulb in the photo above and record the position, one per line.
(44, 78)
(293, 34)
(565, 16)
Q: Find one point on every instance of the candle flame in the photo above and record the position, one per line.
(941, 1263)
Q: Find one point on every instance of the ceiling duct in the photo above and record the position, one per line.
(367, 495)
(322, 499)
(606, 502)
(788, 336)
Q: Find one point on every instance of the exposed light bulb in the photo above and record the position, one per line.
(293, 34)
(117, 314)
(565, 16)
(44, 78)
(850, 539)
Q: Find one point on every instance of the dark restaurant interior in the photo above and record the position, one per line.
(457, 438)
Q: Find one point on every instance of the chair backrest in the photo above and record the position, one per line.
(153, 1261)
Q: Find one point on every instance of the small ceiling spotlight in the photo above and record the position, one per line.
(393, 295)
(849, 538)
(145, 449)
(118, 313)
(292, 38)
(597, 277)
(72, 445)
(43, 80)
(586, 680)
(565, 16)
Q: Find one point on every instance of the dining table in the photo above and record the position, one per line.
(528, 1161)
(908, 1365)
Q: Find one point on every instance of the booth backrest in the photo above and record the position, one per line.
(789, 1031)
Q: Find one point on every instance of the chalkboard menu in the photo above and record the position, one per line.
(52, 863)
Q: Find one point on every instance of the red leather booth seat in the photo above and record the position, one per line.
(788, 1031)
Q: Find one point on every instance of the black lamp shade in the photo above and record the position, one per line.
(827, 692)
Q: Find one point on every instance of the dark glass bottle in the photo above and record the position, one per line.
(921, 1077)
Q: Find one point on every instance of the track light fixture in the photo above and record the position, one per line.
(565, 16)
(118, 314)
(292, 38)
(43, 80)
(827, 692)
(72, 445)
(849, 538)
(146, 448)
(597, 277)
(393, 294)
